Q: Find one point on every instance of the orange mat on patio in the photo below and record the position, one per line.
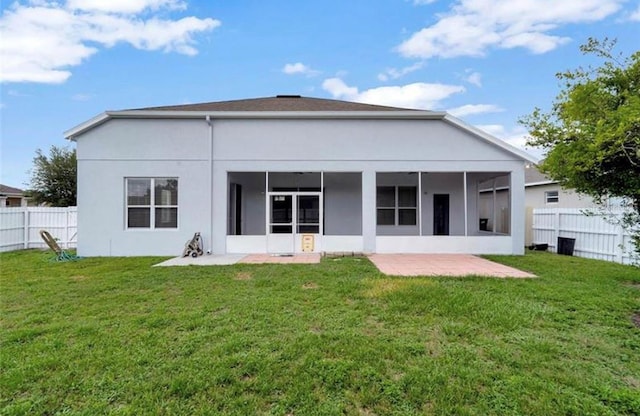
(442, 265)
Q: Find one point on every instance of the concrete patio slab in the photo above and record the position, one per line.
(442, 265)
(286, 259)
(206, 260)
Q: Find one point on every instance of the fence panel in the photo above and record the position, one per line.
(20, 227)
(596, 237)
(12, 228)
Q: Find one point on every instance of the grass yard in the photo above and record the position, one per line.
(115, 336)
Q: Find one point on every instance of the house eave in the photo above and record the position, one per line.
(539, 183)
(73, 133)
(491, 139)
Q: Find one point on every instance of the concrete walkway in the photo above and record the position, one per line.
(286, 259)
(228, 259)
(206, 260)
(442, 265)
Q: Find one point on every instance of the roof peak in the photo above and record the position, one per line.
(282, 102)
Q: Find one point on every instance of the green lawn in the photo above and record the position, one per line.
(115, 336)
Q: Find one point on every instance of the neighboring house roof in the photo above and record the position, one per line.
(292, 107)
(533, 177)
(10, 191)
(277, 103)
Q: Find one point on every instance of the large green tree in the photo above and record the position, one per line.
(54, 177)
(592, 133)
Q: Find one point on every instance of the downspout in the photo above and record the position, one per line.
(210, 156)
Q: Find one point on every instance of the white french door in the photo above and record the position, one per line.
(290, 215)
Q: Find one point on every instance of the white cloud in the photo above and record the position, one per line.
(474, 26)
(125, 6)
(338, 89)
(474, 78)
(43, 39)
(395, 73)
(299, 68)
(471, 109)
(636, 14)
(419, 95)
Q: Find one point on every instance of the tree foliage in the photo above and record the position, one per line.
(54, 177)
(592, 133)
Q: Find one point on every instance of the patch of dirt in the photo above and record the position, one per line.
(315, 329)
(397, 376)
(383, 287)
(373, 327)
(243, 276)
(78, 278)
(632, 382)
(635, 318)
(220, 311)
(248, 378)
(634, 285)
(310, 285)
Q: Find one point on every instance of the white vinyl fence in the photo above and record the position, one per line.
(20, 227)
(596, 237)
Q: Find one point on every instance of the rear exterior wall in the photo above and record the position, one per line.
(200, 156)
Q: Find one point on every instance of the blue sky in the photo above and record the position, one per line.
(488, 62)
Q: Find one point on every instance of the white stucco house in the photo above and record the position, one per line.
(288, 174)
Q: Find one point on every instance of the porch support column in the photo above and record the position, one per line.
(466, 208)
(493, 209)
(369, 211)
(321, 208)
(211, 200)
(266, 204)
(419, 213)
(516, 209)
(220, 193)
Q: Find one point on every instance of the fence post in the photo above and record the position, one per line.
(66, 228)
(25, 233)
(619, 244)
(556, 229)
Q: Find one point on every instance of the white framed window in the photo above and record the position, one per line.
(397, 205)
(151, 203)
(551, 197)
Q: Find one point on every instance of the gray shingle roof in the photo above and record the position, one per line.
(4, 189)
(277, 103)
(533, 175)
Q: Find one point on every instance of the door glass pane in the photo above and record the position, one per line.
(308, 209)
(281, 212)
(310, 229)
(281, 229)
(407, 197)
